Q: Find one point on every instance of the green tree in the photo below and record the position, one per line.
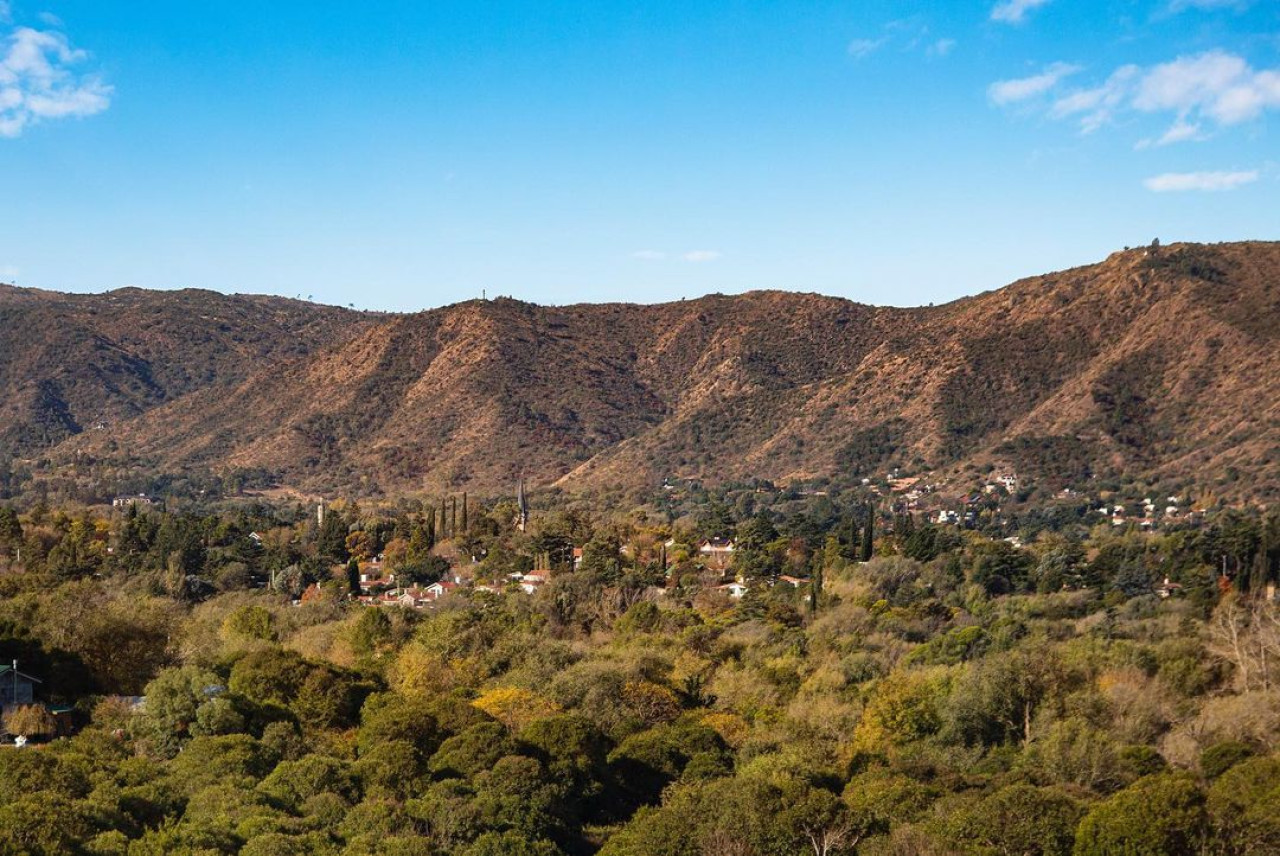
(173, 703)
(1018, 820)
(1161, 815)
(510, 844)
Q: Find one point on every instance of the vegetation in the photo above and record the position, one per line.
(951, 692)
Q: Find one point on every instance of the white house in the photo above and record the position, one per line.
(716, 547)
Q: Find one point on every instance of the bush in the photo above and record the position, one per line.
(1162, 815)
(1220, 757)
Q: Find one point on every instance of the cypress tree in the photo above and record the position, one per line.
(353, 577)
(465, 528)
(815, 590)
(868, 533)
(453, 517)
(431, 528)
(444, 519)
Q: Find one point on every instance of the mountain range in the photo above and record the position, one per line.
(1157, 363)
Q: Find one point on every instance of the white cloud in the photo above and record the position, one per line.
(1020, 89)
(698, 256)
(38, 80)
(860, 48)
(1014, 11)
(649, 255)
(1175, 182)
(1180, 132)
(1215, 87)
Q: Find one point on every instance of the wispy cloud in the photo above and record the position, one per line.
(1024, 88)
(8, 273)
(905, 35)
(1096, 105)
(1180, 132)
(39, 80)
(1179, 182)
(649, 255)
(860, 48)
(699, 256)
(941, 47)
(1014, 11)
(1215, 87)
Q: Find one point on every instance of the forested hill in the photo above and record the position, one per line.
(1155, 362)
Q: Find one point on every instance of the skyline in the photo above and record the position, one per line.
(892, 153)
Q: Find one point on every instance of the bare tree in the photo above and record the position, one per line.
(1245, 632)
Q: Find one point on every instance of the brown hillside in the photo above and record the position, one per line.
(1151, 364)
(69, 362)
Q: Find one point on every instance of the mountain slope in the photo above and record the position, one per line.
(69, 362)
(1162, 364)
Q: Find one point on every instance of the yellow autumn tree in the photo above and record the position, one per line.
(904, 706)
(733, 729)
(515, 707)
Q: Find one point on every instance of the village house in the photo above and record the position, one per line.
(716, 547)
(734, 589)
(125, 501)
(794, 582)
(16, 687)
(437, 590)
(717, 552)
(373, 577)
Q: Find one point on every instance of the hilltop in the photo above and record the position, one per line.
(1155, 363)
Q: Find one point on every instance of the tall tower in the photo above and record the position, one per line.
(523, 519)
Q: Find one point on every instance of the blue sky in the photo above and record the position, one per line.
(402, 155)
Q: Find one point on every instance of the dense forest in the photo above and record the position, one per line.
(1055, 685)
